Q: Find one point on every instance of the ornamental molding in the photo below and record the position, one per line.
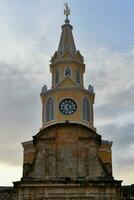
(55, 89)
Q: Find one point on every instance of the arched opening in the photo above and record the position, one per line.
(57, 76)
(68, 72)
(78, 78)
(50, 109)
(86, 109)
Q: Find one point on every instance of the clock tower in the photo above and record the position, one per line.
(67, 159)
(67, 101)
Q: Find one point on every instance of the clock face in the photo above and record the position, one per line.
(67, 106)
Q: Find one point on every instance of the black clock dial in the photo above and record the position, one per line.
(67, 106)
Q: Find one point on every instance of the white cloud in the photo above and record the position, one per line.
(111, 72)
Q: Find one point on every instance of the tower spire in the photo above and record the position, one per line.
(67, 41)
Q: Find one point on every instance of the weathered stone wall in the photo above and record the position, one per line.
(7, 193)
(67, 162)
(66, 151)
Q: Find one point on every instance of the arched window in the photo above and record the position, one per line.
(86, 109)
(68, 72)
(50, 109)
(57, 76)
(78, 77)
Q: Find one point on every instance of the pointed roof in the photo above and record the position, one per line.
(67, 41)
(67, 44)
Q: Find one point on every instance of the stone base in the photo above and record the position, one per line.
(68, 190)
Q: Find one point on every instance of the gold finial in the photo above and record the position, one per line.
(66, 11)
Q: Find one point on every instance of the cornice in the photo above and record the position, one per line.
(55, 89)
(66, 61)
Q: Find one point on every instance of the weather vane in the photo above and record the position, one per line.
(66, 11)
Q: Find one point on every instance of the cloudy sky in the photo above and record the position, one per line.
(29, 35)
